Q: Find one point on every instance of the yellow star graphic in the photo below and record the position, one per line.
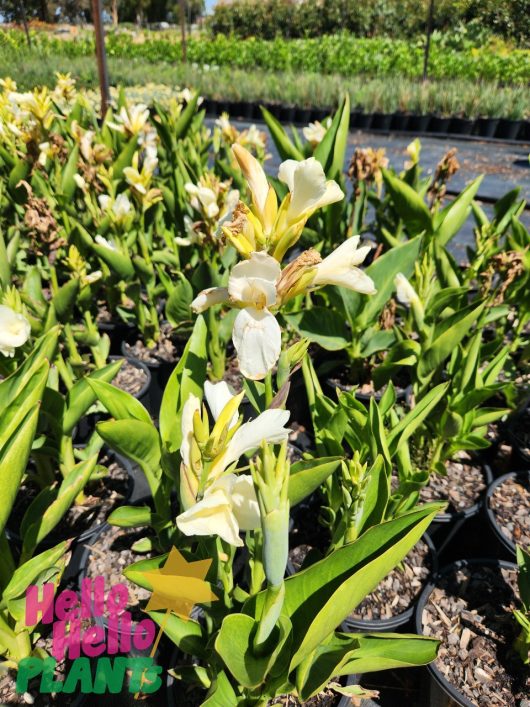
(179, 585)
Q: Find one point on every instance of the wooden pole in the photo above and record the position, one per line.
(25, 21)
(101, 56)
(430, 18)
(182, 6)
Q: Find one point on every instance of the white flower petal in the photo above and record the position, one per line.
(245, 503)
(268, 427)
(212, 515)
(14, 330)
(405, 293)
(308, 186)
(218, 395)
(257, 339)
(339, 268)
(207, 298)
(253, 281)
(254, 174)
(191, 405)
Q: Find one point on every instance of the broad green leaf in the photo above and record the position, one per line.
(456, 213)
(131, 517)
(27, 573)
(415, 417)
(447, 336)
(408, 203)
(71, 486)
(221, 694)
(68, 185)
(187, 379)
(178, 308)
(13, 461)
(186, 635)
(321, 326)
(125, 158)
(307, 475)
(120, 404)
(81, 396)
(285, 147)
(234, 644)
(347, 654)
(186, 117)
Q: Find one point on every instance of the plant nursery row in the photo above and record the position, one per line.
(262, 437)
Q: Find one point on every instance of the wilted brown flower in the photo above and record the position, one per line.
(366, 165)
(42, 226)
(445, 169)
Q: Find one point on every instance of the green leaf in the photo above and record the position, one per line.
(120, 404)
(319, 598)
(408, 203)
(307, 475)
(13, 461)
(186, 635)
(446, 337)
(68, 185)
(64, 299)
(187, 379)
(125, 158)
(347, 654)
(178, 308)
(285, 147)
(456, 213)
(138, 441)
(375, 496)
(221, 694)
(81, 396)
(186, 117)
(234, 644)
(415, 417)
(321, 326)
(71, 486)
(131, 517)
(27, 573)
(363, 310)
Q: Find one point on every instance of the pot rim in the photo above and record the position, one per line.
(137, 364)
(492, 518)
(436, 674)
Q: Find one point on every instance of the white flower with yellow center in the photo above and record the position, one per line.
(314, 132)
(203, 199)
(131, 120)
(228, 502)
(14, 330)
(309, 189)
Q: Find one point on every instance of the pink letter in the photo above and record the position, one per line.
(144, 634)
(117, 599)
(65, 602)
(33, 605)
(63, 641)
(92, 636)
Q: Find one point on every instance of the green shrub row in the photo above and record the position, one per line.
(398, 18)
(461, 97)
(339, 54)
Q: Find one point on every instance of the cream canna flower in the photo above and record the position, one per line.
(131, 120)
(228, 506)
(340, 268)
(14, 330)
(405, 293)
(308, 188)
(264, 198)
(213, 453)
(314, 132)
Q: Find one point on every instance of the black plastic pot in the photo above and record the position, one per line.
(524, 478)
(400, 121)
(461, 126)
(446, 525)
(287, 114)
(439, 124)
(175, 699)
(302, 115)
(117, 332)
(436, 674)
(249, 110)
(419, 123)
(486, 127)
(400, 620)
(508, 129)
(160, 372)
(364, 121)
(381, 121)
(87, 424)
